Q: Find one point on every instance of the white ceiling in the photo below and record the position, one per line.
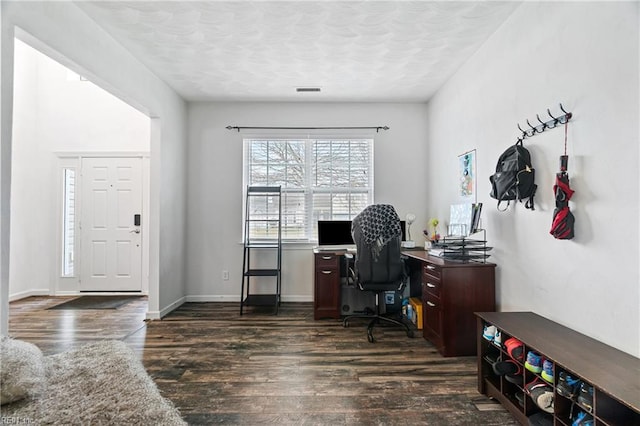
(354, 51)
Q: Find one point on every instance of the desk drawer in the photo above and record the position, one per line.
(433, 312)
(432, 270)
(429, 285)
(327, 261)
(431, 279)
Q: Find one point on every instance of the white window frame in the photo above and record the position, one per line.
(309, 190)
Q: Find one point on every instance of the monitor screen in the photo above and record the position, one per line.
(338, 232)
(334, 233)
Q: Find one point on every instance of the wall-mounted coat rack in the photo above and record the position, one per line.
(544, 125)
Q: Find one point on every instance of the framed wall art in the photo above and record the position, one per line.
(467, 179)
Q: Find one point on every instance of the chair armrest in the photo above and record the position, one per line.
(351, 273)
(405, 275)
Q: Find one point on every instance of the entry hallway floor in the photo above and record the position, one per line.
(222, 368)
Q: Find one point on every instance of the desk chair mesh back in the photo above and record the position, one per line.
(378, 265)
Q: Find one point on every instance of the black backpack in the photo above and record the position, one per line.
(514, 178)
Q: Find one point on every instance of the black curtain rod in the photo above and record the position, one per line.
(377, 128)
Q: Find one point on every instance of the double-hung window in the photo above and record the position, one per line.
(321, 179)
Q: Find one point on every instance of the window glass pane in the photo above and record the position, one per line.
(276, 175)
(259, 150)
(321, 179)
(258, 175)
(321, 206)
(340, 204)
(68, 222)
(358, 203)
(293, 215)
(323, 163)
(263, 208)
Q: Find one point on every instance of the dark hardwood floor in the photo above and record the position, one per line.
(222, 368)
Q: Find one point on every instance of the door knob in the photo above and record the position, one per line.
(136, 231)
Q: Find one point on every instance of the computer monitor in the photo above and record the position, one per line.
(334, 233)
(338, 232)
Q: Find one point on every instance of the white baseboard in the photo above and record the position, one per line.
(101, 293)
(236, 298)
(152, 315)
(213, 298)
(28, 293)
(298, 298)
(156, 315)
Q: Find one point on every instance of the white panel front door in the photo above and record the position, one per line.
(111, 252)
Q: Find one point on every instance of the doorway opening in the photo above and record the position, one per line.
(62, 124)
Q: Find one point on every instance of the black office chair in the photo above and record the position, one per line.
(378, 265)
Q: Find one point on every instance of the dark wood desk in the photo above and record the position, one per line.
(329, 270)
(326, 288)
(451, 292)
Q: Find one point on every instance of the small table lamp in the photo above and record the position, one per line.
(409, 218)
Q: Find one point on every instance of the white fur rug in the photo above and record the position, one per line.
(99, 384)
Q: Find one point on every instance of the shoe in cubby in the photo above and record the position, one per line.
(489, 332)
(568, 385)
(514, 348)
(547, 371)
(582, 419)
(541, 394)
(491, 357)
(533, 362)
(508, 367)
(497, 339)
(585, 397)
(516, 379)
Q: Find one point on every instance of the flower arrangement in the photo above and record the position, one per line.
(433, 236)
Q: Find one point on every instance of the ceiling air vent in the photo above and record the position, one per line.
(307, 89)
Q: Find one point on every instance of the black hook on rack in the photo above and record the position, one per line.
(524, 134)
(544, 125)
(554, 120)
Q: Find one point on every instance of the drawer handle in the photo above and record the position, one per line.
(326, 272)
(431, 304)
(431, 285)
(327, 257)
(431, 268)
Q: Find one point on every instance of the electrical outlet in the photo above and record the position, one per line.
(225, 275)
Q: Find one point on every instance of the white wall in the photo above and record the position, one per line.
(584, 55)
(53, 114)
(76, 41)
(215, 183)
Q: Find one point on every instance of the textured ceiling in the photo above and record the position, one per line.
(354, 51)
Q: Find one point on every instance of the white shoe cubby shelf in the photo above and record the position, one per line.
(610, 374)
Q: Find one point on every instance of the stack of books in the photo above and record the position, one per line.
(435, 251)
